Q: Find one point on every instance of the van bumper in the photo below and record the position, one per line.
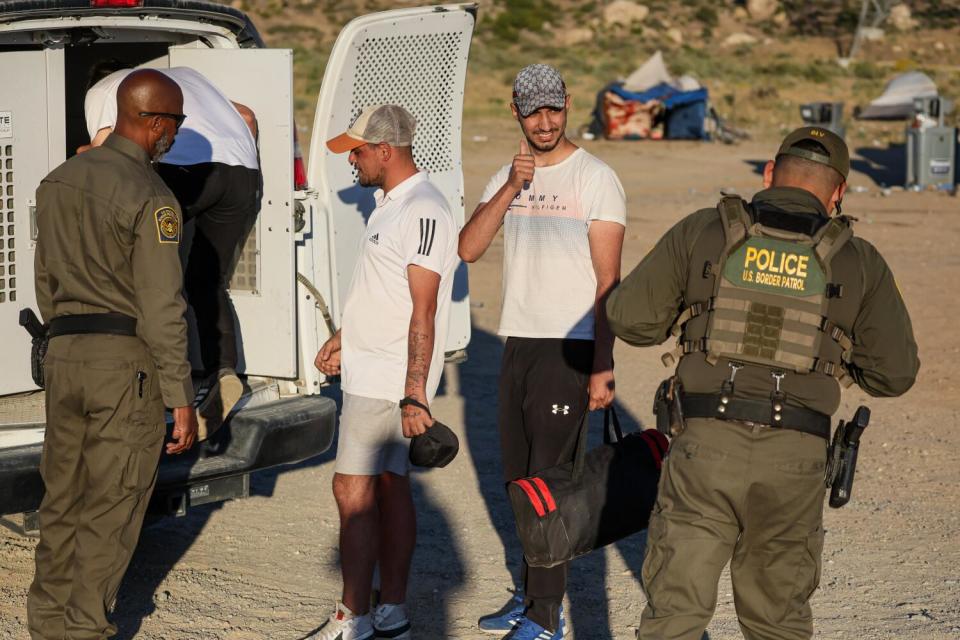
(285, 431)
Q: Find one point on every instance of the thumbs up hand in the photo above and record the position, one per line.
(521, 171)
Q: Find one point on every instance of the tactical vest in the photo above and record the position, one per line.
(770, 298)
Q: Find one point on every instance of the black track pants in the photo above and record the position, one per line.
(543, 407)
(225, 201)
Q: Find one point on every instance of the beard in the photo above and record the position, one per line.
(161, 147)
(545, 146)
(549, 146)
(367, 180)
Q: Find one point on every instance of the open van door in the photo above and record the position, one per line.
(31, 97)
(416, 58)
(263, 285)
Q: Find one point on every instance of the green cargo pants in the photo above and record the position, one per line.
(104, 432)
(752, 496)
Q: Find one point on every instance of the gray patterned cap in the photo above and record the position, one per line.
(536, 86)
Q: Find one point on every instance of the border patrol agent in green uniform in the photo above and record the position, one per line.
(775, 305)
(108, 281)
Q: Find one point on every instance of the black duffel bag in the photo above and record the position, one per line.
(603, 496)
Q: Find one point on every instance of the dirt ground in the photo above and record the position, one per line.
(267, 566)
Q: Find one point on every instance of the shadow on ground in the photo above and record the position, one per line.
(586, 585)
(885, 167)
(165, 541)
(757, 165)
(438, 571)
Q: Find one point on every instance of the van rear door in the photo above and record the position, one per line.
(262, 288)
(31, 144)
(416, 58)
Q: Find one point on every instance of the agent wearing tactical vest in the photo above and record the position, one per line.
(778, 306)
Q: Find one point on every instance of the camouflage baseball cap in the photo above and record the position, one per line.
(837, 158)
(536, 86)
(378, 123)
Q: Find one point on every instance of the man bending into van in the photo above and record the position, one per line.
(214, 171)
(391, 351)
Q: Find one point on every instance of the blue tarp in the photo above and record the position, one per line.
(669, 96)
(685, 111)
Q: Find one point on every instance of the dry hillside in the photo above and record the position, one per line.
(760, 59)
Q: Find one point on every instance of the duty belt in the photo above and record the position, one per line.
(108, 323)
(706, 405)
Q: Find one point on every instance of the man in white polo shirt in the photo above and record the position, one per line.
(390, 348)
(563, 213)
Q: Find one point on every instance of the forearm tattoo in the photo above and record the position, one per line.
(419, 354)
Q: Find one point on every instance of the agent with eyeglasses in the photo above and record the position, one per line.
(214, 171)
(109, 284)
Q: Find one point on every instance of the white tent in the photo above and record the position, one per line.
(653, 72)
(896, 101)
(649, 74)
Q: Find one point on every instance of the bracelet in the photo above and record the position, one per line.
(416, 403)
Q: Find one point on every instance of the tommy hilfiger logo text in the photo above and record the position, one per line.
(538, 202)
(428, 227)
(375, 238)
(565, 409)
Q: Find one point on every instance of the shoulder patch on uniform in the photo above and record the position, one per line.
(168, 225)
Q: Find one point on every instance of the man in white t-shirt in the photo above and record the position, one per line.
(214, 171)
(563, 213)
(391, 350)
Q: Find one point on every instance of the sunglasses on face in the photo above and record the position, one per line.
(178, 118)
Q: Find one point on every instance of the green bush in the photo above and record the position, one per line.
(521, 15)
(938, 14)
(587, 8)
(817, 71)
(707, 15)
(867, 70)
(293, 30)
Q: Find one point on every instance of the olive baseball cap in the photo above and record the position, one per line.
(378, 123)
(536, 86)
(436, 447)
(837, 158)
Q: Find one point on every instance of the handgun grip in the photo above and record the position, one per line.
(861, 418)
(30, 322)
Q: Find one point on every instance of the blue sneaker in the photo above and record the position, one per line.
(506, 618)
(527, 629)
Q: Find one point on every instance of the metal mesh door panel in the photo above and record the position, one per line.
(8, 245)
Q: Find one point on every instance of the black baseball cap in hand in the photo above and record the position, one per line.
(436, 447)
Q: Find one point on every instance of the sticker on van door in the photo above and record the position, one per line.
(6, 124)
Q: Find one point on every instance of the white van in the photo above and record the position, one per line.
(298, 261)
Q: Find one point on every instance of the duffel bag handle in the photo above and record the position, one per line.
(610, 415)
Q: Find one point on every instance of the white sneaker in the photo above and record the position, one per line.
(343, 625)
(390, 621)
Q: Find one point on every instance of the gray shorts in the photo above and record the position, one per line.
(371, 438)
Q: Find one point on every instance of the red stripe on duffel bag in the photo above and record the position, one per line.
(656, 445)
(534, 499)
(545, 492)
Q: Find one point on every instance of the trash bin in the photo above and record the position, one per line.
(931, 146)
